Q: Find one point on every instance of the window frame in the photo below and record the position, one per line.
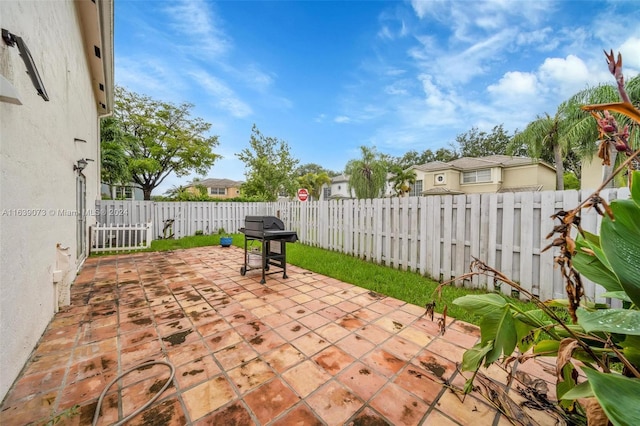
(474, 174)
(415, 192)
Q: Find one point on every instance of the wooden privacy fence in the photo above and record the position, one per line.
(435, 236)
(120, 237)
(187, 217)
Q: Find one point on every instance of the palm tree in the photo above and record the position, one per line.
(573, 131)
(367, 175)
(177, 192)
(402, 180)
(584, 133)
(114, 168)
(314, 182)
(545, 132)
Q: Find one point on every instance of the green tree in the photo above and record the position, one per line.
(584, 133)
(315, 169)
(402, 180)
(113, 159)
(572, 135)
(176, 192)
(269, 167)
(367, 175)
(162, 138)
(477, 143)
(314, 182)
(571, 181)
(546, 132)
(413, 157)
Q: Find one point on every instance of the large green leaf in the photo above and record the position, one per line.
(481, 304)
(631, 349)
(499, 327)
(620, 321)
(473, 357)
(549, 347)
(594, 266)
(567, 383)
(535, 318)
(620, 239)
(526, 335)
(583, 390)
(620, 295)
(635, 187)
(618, 396)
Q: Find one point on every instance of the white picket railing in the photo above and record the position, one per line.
(120, 237)
(436, 236)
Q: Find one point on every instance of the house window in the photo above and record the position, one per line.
(326, 193)
(217, 191)
(416, 189)
(475, 176)
(127, 192)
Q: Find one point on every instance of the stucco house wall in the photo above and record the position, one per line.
(40, 142)
(340, 188)
(591, 173)
(451, 180)
(534, 174)
(506, 173)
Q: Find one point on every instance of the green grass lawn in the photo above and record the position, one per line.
(408, 286)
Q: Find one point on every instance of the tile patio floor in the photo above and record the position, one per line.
(307, 350)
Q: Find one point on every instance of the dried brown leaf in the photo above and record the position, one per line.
(565, 352)
(497, 395)
(595, 414)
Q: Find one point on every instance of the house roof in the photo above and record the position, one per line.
(340, 178)
(439, 190)
(432, 166)
(474, 163)
(526, 188)
(218, 183)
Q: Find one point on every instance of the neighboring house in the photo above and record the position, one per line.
(56, 81)
(121, 192)
(218, 188)
(338, 189)
(592, 173)
(495, 173)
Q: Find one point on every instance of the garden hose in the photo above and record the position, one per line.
(96, 415)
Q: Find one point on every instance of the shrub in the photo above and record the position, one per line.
(605, 341)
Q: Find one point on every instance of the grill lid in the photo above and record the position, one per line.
(263, 223)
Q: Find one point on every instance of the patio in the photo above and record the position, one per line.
(307, 350)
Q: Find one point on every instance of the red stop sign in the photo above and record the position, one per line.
(303, 194)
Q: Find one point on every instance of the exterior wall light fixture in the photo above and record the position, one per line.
(81, 164)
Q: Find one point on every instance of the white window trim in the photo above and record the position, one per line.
(475, 174)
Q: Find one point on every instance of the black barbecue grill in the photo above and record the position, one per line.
(269, 230)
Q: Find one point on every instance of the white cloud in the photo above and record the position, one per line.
(421, 7)
(343, 119)
(452, 68)
(514, 84)
(256, 78)
(222, 96)
(630, 50)
(436, 100)
(397, 88)
(195, 20)
(150, 75)
(566, 76)
(320, 118)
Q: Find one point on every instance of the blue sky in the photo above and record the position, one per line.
(328, 77)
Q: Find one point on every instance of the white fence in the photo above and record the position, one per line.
(435, 236)
(120, 237)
